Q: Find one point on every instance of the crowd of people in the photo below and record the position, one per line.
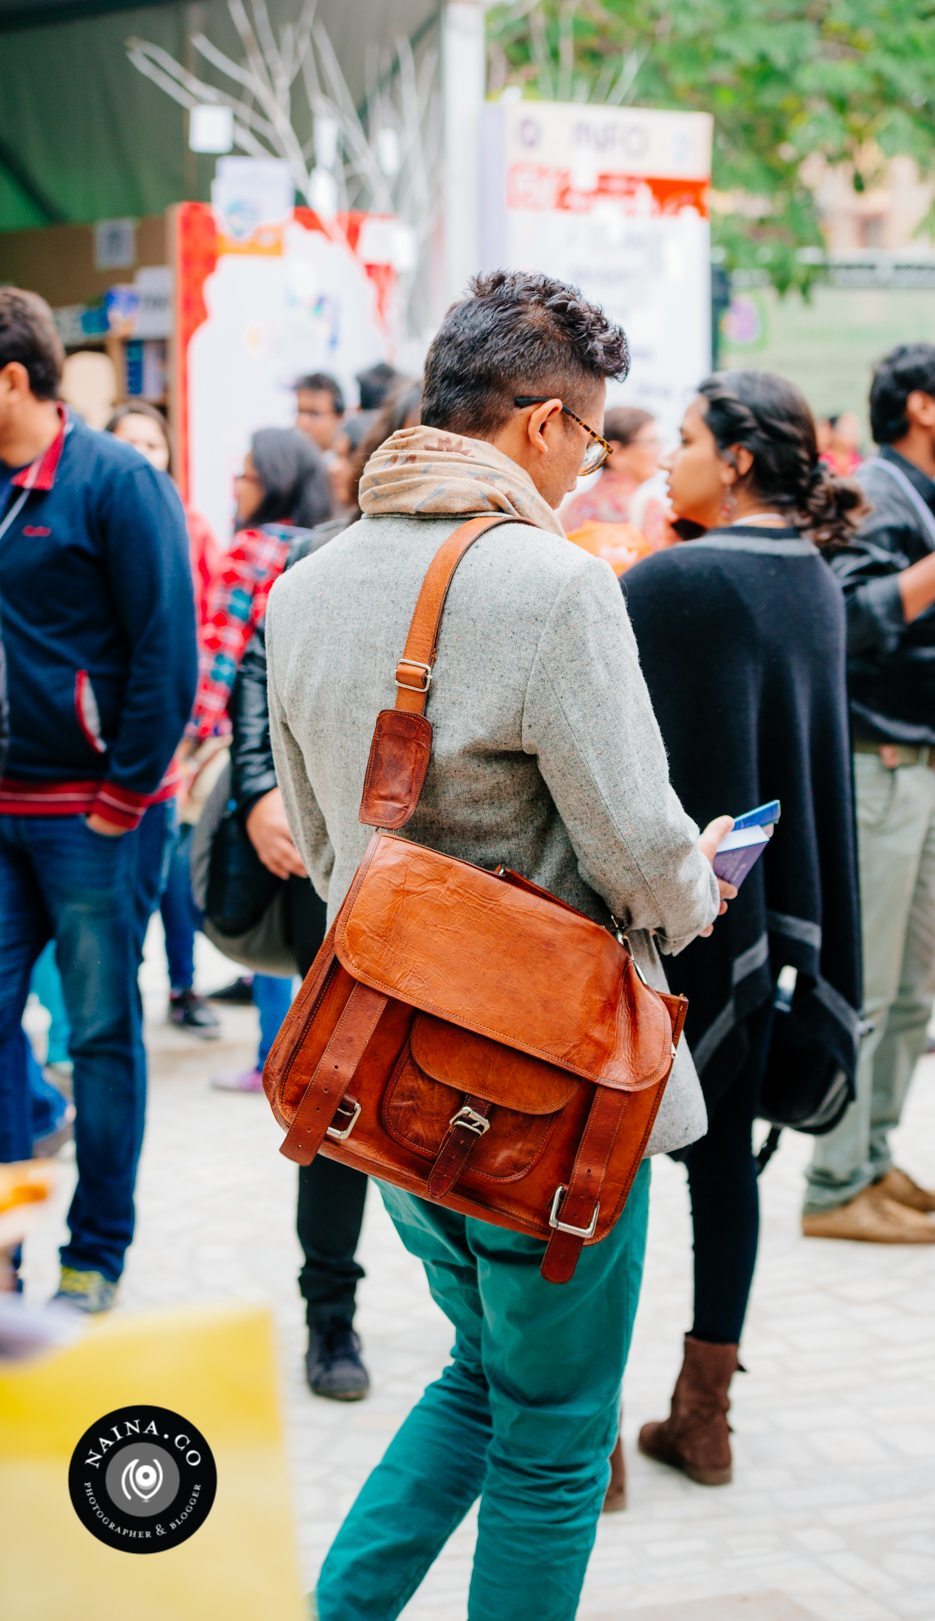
(771, 637)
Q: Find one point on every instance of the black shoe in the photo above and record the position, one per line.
(333, 1366)
(191, 1012)
(239, 991)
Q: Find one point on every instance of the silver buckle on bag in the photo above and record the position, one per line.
(566, 1227)
(414, 664)
(341, 1134)
(471, 1121)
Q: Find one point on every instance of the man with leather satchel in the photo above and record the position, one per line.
(474, 1027)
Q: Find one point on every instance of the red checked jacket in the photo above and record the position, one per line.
(236, 606)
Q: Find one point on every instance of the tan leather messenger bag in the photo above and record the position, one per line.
(464, 1034)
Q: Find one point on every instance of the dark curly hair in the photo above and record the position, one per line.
(516, 333)
(770, 417)
(905, 370)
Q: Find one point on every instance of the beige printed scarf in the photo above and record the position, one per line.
(426, 471)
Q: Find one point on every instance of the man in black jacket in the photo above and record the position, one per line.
(888, 576)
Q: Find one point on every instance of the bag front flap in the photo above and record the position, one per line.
(457, 941)
(490, 1070)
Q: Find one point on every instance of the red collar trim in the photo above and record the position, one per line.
(40, 474)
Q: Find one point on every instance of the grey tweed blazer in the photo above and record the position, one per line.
(547, 756)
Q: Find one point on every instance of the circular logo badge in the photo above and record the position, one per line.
(142, 1479)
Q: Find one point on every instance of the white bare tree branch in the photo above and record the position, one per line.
(284, 81)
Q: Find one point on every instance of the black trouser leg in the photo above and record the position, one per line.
(328, 1219)
(725, 1200)
(331, 1196)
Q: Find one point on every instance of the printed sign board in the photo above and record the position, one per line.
(615, 200)
(254, 310)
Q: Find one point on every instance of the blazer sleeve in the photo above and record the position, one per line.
(589, 721)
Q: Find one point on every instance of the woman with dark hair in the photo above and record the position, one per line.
(281, 492)
(741, 638)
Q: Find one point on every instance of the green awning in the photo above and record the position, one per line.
(84, 136)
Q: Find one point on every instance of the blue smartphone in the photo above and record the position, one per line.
(761, 817)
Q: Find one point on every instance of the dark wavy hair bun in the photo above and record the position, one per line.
(768, 416)
(833, 507)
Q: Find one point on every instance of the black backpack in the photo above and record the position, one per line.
(804, 1087)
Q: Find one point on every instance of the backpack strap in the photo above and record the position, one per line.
(402, 738)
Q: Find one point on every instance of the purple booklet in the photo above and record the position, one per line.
(739, 851)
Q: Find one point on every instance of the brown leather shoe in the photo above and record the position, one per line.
(696, 1436)
(871, 1218)
(615, 1498)
(905, 1190)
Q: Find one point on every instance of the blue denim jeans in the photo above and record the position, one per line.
(157, 835)
(60, 881)
(524, 1417)
(272, 998)
(180, 916)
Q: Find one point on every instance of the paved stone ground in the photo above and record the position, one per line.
(832, 1511)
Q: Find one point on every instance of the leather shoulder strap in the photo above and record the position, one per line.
(402, 738)
(414, 670)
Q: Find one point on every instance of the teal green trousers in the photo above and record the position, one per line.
(523, 1417)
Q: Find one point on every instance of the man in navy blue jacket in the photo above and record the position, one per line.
(98, 628)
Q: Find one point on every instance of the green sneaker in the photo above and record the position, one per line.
(89, 1292)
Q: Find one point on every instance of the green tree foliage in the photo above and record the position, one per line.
(849, 81)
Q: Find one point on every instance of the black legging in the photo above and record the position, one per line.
(331, 1196)
(724, 1198)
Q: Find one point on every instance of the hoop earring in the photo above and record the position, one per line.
(729, 505)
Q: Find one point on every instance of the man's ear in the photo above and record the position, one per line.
(920, 408)
(14, 380)
(539, 418)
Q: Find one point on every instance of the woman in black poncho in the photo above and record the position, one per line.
(741, 637)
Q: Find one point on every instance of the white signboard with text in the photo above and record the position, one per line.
(615, 200)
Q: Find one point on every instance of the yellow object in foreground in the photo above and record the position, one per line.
(214, 1367)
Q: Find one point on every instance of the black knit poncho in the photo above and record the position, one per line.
(741, 637)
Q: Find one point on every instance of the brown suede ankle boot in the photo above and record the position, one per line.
(696, 1436)
(615, 1498)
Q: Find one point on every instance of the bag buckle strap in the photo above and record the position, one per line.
(465, 1128)
(324, 1096)
(566, 1227)
(470, 1120)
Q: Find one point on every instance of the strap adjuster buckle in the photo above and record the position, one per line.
(471, 1121)
(566, 1227)
(348, 1107)
(414, 664)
